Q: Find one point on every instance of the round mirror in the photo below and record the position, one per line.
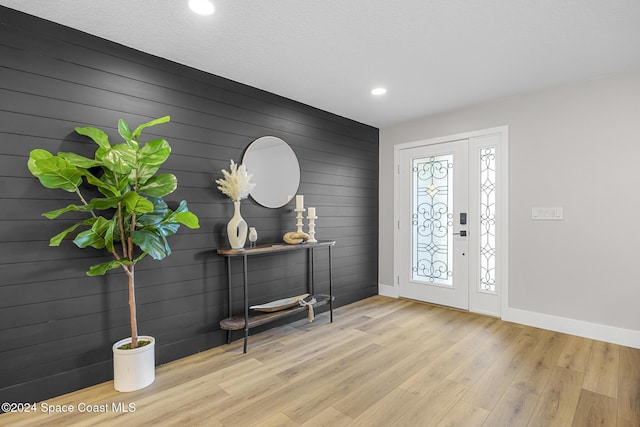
(275, 171)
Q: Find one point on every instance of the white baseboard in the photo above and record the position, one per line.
(387, 291)
(596, 331)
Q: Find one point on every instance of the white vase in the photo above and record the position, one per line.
(237, 228)
(136, 368)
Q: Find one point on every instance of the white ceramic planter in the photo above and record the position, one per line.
(134, 369)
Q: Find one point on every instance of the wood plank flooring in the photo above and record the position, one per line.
(383, 362)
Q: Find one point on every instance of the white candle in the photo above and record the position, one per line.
(299, 202)
(312, 212)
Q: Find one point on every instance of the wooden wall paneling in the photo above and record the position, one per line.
(227, 111)
(56, 324)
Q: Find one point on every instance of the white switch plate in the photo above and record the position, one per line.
(547, 213)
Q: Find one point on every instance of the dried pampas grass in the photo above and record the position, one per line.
(235, 184)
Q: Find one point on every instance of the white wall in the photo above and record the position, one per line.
(577, 147)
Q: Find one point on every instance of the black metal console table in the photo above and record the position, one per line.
(247, 321)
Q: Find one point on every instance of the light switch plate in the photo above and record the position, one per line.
(547, 213)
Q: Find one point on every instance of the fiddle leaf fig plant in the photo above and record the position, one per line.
(129, 219)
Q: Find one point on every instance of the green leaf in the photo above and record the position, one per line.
(105, 203)
(35, 155)
(56, 172)
(100, 269)
(156, 216)
(117, 181)
(144, 173)
(70, 208)
(151, 156)
(79, 161)
(155, 152)
(123, 130)
(108, 235)
(188, 219)
(151, 243)
(136, 203)
(168, 228)
(182, 207)
(171, 222)
(159, 205)
(97, 135)
(93, 237)
(58, 238)
(105, 187)
(89, 238)
(160, 185)
(125, 133)
(119, 158)
(138, 131)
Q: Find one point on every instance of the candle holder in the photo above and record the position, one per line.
(312, 229)
(299, 220)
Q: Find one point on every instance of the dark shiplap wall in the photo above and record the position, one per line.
(56, 324)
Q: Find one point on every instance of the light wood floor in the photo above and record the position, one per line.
(383, 362)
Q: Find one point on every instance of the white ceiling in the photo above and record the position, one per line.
(432, 55)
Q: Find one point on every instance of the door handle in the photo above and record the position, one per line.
(462, 233)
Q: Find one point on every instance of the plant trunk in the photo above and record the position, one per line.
(132, 308)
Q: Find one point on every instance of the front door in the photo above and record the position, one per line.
(434, 223)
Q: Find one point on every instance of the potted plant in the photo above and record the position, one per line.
(127, 217)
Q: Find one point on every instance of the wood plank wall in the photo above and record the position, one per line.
(56, 324)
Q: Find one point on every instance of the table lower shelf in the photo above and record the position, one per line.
(236, 323)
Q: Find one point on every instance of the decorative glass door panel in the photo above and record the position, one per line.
(488, 219)
(432, 220)
(433, 193)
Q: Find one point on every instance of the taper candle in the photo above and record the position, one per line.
(299, 202)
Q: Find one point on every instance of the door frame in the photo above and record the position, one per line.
(502, 209)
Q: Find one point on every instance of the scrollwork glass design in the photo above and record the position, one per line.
(488, 219)
(432, 218)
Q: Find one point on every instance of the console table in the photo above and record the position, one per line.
(249, 320)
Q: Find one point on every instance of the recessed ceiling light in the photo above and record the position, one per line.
(202, 7)
(378, 91)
